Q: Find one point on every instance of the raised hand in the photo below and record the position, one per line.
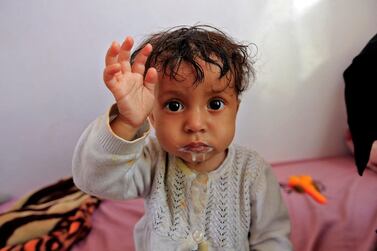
(133, 93)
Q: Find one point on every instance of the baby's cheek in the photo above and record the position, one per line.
(166, 138)
(228, 128)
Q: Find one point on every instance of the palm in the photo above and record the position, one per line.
(133, 93)
(134, 100)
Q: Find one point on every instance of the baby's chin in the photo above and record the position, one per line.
(198, 161)
(199, 166)
(195, 158)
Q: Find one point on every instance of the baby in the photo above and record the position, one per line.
(201, 191)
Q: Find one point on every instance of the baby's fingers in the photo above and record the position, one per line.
(138, 65)
(112, 54)
(151, 79)
(109, 75)
(125, 50)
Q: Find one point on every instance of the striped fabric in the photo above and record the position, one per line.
(52, 218)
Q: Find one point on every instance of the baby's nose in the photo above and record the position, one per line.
(195, 121)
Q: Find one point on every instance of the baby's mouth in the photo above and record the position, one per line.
(198, 151)
(196, 147)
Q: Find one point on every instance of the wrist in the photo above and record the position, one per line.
(123, 129)
(125, 122)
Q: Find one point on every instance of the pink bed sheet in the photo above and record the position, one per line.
(349, 219)
(113, 226)
(347, 222)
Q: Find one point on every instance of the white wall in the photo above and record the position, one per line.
(51, 61)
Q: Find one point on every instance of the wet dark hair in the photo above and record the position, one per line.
(189, 43)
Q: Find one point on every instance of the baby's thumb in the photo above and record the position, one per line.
(151, 79)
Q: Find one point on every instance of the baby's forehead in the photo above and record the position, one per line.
(185, 78)
(187, 87)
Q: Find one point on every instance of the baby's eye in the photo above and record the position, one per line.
(216, 104)
(174, 106)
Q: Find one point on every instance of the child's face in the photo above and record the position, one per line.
(196, 123)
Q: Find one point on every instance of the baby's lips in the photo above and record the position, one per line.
(196, 148)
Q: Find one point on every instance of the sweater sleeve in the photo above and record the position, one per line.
(108, 166)
(270, 224)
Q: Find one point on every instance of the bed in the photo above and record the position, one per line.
(348, 221)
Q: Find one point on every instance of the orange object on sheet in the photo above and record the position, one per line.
(305, 183)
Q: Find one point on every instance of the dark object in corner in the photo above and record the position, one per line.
(361, 102)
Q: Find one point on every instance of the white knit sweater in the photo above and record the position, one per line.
(238, 206)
